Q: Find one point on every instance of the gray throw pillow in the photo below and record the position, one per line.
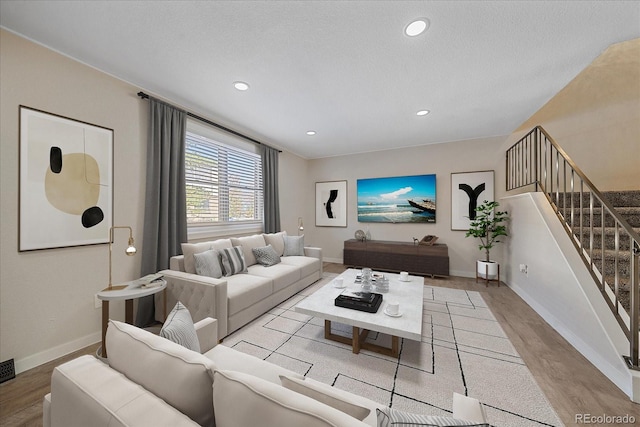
(233, 261)
(207, 263)
(294, 245)
(389, 417)
(179, 328)
(266, 255)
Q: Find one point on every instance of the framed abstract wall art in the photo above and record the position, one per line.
(66, 181)
(398, 199)
(468, 190)
(331, 204)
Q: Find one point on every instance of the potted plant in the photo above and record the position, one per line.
(488, 226)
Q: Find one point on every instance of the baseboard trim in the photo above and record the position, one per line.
(48, 355)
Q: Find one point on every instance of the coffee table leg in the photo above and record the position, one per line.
(395, 347)
(356, 340)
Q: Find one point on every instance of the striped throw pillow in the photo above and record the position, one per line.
(389, 417)
(179, 328)
(233, 261)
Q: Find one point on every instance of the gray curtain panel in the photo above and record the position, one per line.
(270, 183)
(165, 215)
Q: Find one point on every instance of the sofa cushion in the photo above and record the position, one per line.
(188, 249)
(307, 265)
(244, 290)
(336, 398)
(248, 243)
(179, 328)
(271, 405)
(181, 377)
(87, 392)
(294, 245)
(233, 261)
(226, 358)
(282, 275)
(207, 263)
(388, 417)
(276, 240)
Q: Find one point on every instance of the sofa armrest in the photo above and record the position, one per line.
(203, 296)
(46, 410)
(207, 330)
(87, 392)
(315, 253)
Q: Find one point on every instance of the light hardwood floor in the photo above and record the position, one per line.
(570, 382)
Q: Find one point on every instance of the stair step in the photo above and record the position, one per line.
(624, 262)
(615, 198)
(624, 241)
(630, 214)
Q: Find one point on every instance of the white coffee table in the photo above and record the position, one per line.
(409, 325)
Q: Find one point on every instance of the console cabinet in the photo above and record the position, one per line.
(397, 256)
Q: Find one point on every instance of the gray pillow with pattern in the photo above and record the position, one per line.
(207, 263)
(266, 255)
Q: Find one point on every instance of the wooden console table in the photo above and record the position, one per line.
(398, 256)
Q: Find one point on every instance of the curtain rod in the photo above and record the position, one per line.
(209, 122)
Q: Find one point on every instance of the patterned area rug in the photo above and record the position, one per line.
(463, 349)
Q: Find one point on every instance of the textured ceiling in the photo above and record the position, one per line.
(344, 69)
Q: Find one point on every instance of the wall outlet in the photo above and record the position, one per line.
(524, 269)
(97, 302)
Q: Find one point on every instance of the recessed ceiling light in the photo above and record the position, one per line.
(241, 85)
(417, 27)
(311, 132)
(422, 113)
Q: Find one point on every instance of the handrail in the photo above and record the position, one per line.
(536, 159)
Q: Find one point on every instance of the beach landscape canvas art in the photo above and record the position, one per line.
(402, 199)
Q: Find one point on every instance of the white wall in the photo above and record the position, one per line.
(559, 287)
(47, 296)
(439, 159)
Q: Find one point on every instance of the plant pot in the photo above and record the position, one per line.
(487, 270)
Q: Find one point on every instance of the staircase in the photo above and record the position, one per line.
(627, 205)
(604, 226)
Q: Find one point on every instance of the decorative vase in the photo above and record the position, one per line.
(487, 270)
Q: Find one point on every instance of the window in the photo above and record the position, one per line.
(223, 183)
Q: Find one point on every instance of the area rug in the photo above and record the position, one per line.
(463, 349)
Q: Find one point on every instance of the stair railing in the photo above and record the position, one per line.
(536, 159)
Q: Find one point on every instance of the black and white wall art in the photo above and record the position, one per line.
(468, 190)
(331, 204)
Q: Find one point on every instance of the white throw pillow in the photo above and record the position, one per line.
(389, 417)
(328, 395)
(179, 328)
(294, 245)
(233, 261)
(207, 263)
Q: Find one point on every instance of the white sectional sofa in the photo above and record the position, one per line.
(151, 381)
(236, 299)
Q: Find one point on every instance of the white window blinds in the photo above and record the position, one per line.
(223, 183)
